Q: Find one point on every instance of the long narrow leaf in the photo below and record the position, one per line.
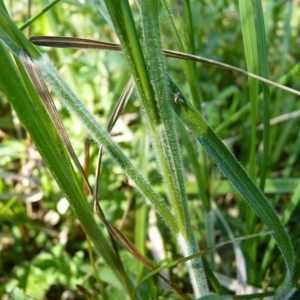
(236, 174)
(80, 43)
(167, 145)
(16, 85)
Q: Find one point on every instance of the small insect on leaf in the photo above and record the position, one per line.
(177, 97)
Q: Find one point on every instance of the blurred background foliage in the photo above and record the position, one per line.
(43, 250)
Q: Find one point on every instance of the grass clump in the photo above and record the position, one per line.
(158, 131)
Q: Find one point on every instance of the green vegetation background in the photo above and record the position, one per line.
(44, 253)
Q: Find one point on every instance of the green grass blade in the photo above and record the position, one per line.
(251, 54)
(101, 136)
(167, 145)
(142, 210)
(199, 165)
(38, 15)
(11, 35)
(290, 209)
(16, 41)
(149, 73)
(237, 175)
(123, 21)
(249, 15)
(16, 85)
(264, 72)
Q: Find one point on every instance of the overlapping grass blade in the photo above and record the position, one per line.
(198, 164)
(16, 41)
(238, 177)
(248, 14)
(169, 157)
(263, 68)
(17, 87)
(149, 73)
(80, 43)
